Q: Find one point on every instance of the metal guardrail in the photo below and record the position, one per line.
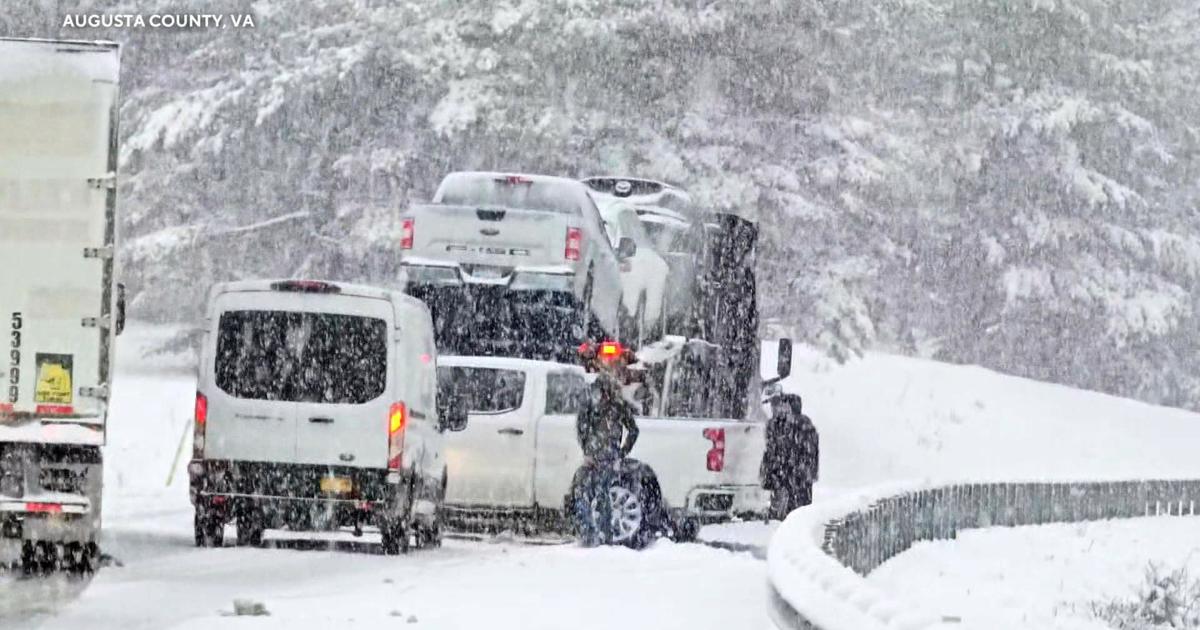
(866, 535)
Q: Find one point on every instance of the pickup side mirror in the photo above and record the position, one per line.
(119, 322)
(626, 248)
(783, 366)
(453, 417)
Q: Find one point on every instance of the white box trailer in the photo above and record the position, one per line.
(60, 305)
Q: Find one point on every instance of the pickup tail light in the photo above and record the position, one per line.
(407, 231)
(574, 248)
(201, 421)
(397, 421)
(715, 458)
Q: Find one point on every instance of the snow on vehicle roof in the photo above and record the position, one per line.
(506, 363)
(658, 212)
(546, 192)
(637, 186)
(36, 59)
(343, 288)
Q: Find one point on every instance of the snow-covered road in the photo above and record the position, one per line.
(165, 582)
(467, 585)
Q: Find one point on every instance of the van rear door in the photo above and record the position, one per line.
(344, 393)
(299, 378)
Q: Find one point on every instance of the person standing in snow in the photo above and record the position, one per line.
(791, 459)
(607, 432)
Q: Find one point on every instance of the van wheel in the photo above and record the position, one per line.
(209, 531)
(430, 536)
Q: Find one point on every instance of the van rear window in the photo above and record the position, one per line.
(301, 356)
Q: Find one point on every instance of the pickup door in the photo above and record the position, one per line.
(491, 462)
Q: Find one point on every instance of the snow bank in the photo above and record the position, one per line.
(891, 425)
(1040, 576)
(884, 418)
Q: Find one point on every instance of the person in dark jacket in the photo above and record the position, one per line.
(791, 459)
(607, 432)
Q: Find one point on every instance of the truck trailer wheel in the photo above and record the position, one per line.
(208, 531)
(394, 537)
(250, 528)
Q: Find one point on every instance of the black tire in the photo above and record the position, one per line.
(686, 531)
(250, 528)
(642, 492)
(659, 328)
(581, 326)
(639, 319)
(208, 531)
(80, 559)
(394, 537)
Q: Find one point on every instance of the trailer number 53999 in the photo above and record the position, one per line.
(14, 355)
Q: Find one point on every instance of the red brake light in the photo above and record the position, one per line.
(306, 286)
(611, 350)
(407, 230)
(46, 508)
(515, 179)
(574, 248)
(199, 425)
(397, 419)
(716, 455)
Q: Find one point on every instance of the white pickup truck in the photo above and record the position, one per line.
(514, 463)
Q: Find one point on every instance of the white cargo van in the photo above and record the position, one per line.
(316, 409)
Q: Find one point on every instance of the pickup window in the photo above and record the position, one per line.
(300, 356)
(483, 390)
(564, 393)
(516, 192)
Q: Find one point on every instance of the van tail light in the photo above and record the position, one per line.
(574, 248)
(397, 421)
(201, 421)
(716, 454)
(407, 231)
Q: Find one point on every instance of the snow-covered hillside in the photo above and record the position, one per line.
(886, 418)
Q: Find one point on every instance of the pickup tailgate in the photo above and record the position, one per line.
(57, 206)
(491, 236)
(691, 453)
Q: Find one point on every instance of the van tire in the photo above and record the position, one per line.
(208, 531)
